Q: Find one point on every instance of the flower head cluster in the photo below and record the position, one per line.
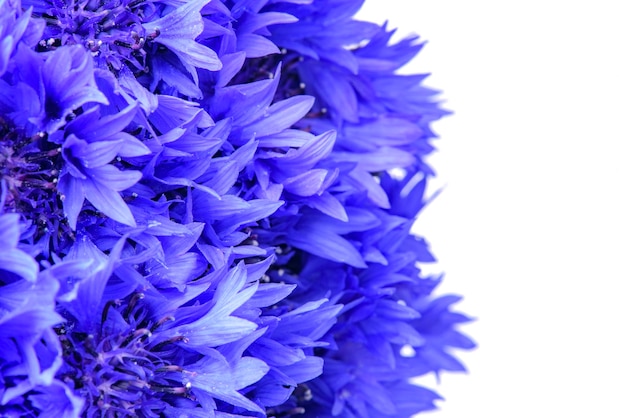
(198, 216)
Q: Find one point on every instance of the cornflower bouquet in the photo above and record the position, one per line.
(198, 216)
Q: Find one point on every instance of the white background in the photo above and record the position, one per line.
(531, 227)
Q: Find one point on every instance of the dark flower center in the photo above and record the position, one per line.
(53, 110)
(29, 167)
(111, 30)
(119, 368)
(256, 69)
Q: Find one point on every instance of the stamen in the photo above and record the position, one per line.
(173, 340)
(142, 332)
(180, 390)
(169, 368)
(161, 322)
(107, 306)
(133, 301)
(154, 35)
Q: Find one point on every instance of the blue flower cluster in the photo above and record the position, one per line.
(198, 216)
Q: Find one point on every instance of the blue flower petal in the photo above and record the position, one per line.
(178, 30)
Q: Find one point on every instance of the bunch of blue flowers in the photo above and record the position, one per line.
(198, 216)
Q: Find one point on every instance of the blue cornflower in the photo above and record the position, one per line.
(286, 159)
(387, 307)
(143, 43)
(54, 88)
(197, 217)
(89, 145)
(31, 353)
(143, 340)
(39, 148)
(367, 260)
